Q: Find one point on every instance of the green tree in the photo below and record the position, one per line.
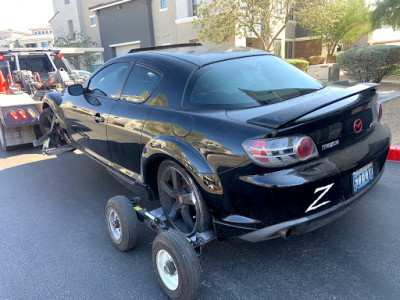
(223, 19)
(335, 21)
(386, 13)
(77, 40)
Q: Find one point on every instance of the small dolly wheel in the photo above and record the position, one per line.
(121, 222)
(176, 264)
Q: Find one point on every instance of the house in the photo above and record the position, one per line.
(39, 37)
(73, 16)
(123, 25)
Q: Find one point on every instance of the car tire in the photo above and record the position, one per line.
(121, 223)
(45, 119)
(181, 200)
(3, 140)
(176, 265)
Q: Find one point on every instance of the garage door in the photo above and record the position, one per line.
(124, 48)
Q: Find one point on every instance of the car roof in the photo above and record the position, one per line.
(201, 55)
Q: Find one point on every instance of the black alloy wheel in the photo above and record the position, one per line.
(181, 200)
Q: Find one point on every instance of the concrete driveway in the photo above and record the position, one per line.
(54, 243)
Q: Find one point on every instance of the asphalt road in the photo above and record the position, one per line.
(54, 243)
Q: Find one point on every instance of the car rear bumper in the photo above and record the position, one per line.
(307, 223)
(302, 198)
(297, 226)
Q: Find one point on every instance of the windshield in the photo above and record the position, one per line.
(247, 82)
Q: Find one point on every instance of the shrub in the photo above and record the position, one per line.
(370, 63)
(396, 71)
(299, 63)
(316, 60)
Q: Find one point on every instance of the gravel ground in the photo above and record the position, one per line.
(391, 117)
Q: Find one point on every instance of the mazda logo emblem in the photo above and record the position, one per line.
(357, 126)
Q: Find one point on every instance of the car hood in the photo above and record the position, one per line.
(279, 114)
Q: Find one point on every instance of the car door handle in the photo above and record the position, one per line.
(98, 118)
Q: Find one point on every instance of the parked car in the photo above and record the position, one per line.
(232, 139)
(81, 74)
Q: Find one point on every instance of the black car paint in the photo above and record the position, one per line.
(208, 143)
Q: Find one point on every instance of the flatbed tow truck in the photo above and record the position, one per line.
(25, 77)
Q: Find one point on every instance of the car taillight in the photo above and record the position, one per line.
(280, 152)
(1, 57)
(380, 111)
(22, 114)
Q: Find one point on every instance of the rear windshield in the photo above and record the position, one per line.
(35, 63)
(247, 82)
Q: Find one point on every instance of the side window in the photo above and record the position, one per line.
(109, 81)
(140, 84)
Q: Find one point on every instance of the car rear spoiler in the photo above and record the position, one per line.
(290, 111)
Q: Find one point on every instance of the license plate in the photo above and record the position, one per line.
(362, 177)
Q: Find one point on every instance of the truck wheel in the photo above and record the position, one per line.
(121, 222)
(181, 200)
(177, 265)
(3, 140)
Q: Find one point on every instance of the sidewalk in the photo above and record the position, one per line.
(389, 94)
(389, 88)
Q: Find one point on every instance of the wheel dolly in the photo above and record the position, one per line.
(175, 256)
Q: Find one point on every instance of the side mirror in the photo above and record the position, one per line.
(76, 90)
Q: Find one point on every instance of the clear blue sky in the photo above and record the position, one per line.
(25, 14)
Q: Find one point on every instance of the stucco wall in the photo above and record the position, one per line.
(127, 22)
(186, 32)
(165, 29)
(66, 12)
(91, 31)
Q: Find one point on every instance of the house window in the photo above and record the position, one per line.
(66, 2)
(288, 49)
(70, 27)
(35, 33)
(31, 45)
(47, 32)
(163, 4)
(280, 8)
(45, 44)
(93, 21)
(194, 6)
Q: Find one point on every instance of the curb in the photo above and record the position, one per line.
(394, 153)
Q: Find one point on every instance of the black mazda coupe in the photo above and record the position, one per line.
(230, 139)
